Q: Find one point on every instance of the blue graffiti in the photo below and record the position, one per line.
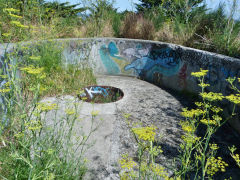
(106, 54)
(97, 90)
(163, 61)
(139, 46)
(113, 50)
(145, 63)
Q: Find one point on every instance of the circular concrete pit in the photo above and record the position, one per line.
(100, 94)
(147, 104)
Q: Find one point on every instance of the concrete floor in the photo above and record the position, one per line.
(147, 104)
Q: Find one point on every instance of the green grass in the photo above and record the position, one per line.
(211, 31)
(30, 147)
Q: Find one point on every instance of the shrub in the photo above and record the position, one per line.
(137, 27)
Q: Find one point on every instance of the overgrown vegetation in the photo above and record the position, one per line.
(188, 23)
(34, 144)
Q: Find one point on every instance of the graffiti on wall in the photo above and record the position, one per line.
(163, 61)
(111, 59)
(137, 52)
(156, 64)
(148, 62)
(77, 53)
(183, 77)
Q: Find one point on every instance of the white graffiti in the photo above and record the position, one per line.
(143, 52)
(133, 52)
(96, 90)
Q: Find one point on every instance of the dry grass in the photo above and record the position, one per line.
(107, 30)
(135, 26)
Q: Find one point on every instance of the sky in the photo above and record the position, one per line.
(129, 4)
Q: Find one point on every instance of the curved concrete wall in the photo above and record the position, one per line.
(164, 64)
(160, 63)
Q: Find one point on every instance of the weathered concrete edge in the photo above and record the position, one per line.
(12, 45)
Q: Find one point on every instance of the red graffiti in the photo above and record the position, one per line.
(182, 77)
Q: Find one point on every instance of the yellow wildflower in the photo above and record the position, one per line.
(6, 34)
(127, 162)
(10, 10)
(216, 109)
(34, 128)
(187, 127)
(18, 24)
(4, 76)
(32, 70)
(236, 157)
(95, 113)
(217, 119)
(192, 113)
(199, 104)
(145, 133)
(214, 165)
(70, 111)
(159, 170)
(211, 96)
(203, 85)
(200, 74)
(208, 122)
(15, 16)
(35, 58)
(190, 139)
(5, 90)
(46, 106)
(234, 98)
(33, 125)
(156, 150)
(19, 135)
(213, 146)
(7, 84)
(43, 76)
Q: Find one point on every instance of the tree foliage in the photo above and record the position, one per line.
(62, 9)
(148, 4)
(45, 9)
(183, 9)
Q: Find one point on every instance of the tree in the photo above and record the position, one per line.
(62, 9)
(148, 4)
(48, 9)
(173, 8)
